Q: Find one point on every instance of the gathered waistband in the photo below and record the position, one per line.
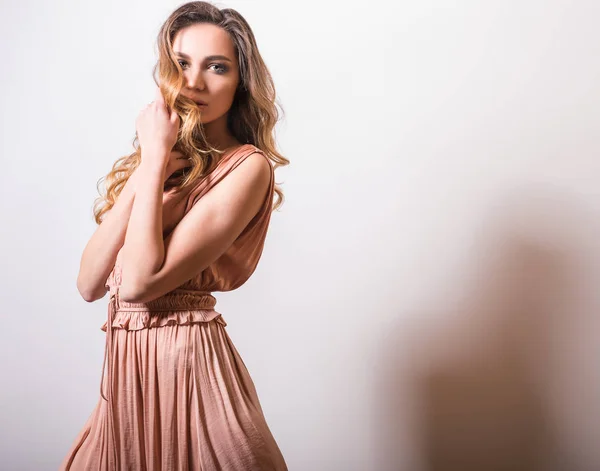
(178, 299)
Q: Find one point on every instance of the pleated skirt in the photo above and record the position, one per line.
(182, 399)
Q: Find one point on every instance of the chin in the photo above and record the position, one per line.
(206, 119)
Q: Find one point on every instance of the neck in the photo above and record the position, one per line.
(218, 136)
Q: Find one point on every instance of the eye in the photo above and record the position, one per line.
(222, 70)
(221, 67)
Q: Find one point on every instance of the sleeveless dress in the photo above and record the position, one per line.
(175, 393)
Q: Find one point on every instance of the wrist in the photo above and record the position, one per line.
(130, 184)
(149, 171)
(155, 154)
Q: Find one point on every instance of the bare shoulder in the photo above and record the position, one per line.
(257, 163)
(241, 193)
(251, 174)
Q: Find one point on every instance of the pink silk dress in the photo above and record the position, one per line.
(176, 395)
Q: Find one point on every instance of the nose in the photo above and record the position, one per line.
(195, 80)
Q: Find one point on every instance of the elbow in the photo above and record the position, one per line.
(127, 296)
(90, 293)
(131, 293)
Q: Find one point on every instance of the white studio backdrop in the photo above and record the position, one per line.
(427, 296)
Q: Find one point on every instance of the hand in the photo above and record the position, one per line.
(157, 129)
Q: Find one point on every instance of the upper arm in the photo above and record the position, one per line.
(210, 227)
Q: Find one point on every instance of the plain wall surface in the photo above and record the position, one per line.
(427, 297)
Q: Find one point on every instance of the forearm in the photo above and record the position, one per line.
(100, 253)
(143, 249)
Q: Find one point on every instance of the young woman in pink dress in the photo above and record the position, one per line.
(184, 215)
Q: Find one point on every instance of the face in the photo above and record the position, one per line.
(206, 54)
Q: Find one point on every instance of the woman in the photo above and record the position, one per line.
(185, 215)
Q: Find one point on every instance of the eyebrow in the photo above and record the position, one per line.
(208, 58)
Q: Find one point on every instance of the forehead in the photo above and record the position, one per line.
(203, 39)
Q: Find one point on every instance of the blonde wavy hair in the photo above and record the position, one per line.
(251, 118)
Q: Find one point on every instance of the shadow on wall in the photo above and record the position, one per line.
(483, 388)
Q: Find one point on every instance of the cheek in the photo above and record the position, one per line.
(224, 95)
(225, 90)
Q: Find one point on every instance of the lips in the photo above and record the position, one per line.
(198, 101)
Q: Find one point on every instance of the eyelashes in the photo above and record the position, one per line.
(222, 70)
